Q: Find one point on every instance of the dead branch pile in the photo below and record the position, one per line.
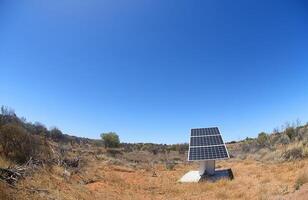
(12, 174)
(60, 158)
(73, 163)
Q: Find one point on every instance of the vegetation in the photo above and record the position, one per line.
(170, 165)
(295, 151)
(288, 144)
(18, 145)
(56, 134)
(111, 140)
(291, 133)
(84, 169)
(262, 139)
(301, 179)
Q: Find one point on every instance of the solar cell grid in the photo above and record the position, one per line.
(206, 144)
(209, 152)
(206, 140)
(204, 131)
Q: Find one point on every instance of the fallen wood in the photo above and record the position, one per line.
(36, 190)
(11, 175)
(73, 163)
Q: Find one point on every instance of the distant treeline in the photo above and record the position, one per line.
(155, 148)
(8, 117)
(12, 127)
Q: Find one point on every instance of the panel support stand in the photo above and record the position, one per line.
(207, 166)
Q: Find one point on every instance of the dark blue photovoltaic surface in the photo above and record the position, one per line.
(208, 153)
(206, 144)
(205, 131)
(206, 140)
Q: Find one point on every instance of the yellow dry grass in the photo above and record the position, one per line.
(253, 180)
(100, 180)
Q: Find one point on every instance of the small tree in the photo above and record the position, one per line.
(110, 139)
(291, 133)
(56, 134)
(262, 139)
(7, 111)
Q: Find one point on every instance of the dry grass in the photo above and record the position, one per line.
(100, 179)
(6, 193)
(4, 162)
(301, 179)
(253, 180)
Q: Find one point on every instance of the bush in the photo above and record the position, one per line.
(170, 165)
(302, 133)
(245, 147)
(40, 129)
(262, 139)
(301, 180)
(154, 150)
(283, 139)
(18, 145)
(294, 152)
(114, 152)
(291, 133)
(7, 111)
(56, 134)
(111, 140)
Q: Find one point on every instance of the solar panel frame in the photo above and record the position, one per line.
(220, 148)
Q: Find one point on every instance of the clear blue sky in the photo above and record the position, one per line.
(151, 70)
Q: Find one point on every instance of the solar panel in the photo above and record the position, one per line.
(206, 144)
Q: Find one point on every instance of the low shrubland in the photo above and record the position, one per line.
(286, 145)
(78, 168)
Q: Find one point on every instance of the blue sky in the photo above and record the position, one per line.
(151, 70)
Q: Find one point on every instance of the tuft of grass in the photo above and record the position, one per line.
(262, 193)
(4, 162)
(221, 194)
(294, 152)
(4, 192)
(301, 179)
(170, 165)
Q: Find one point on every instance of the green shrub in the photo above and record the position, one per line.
(291, 133)
(19, 146)
(111, 140)
(262, 139)
(56, 134)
